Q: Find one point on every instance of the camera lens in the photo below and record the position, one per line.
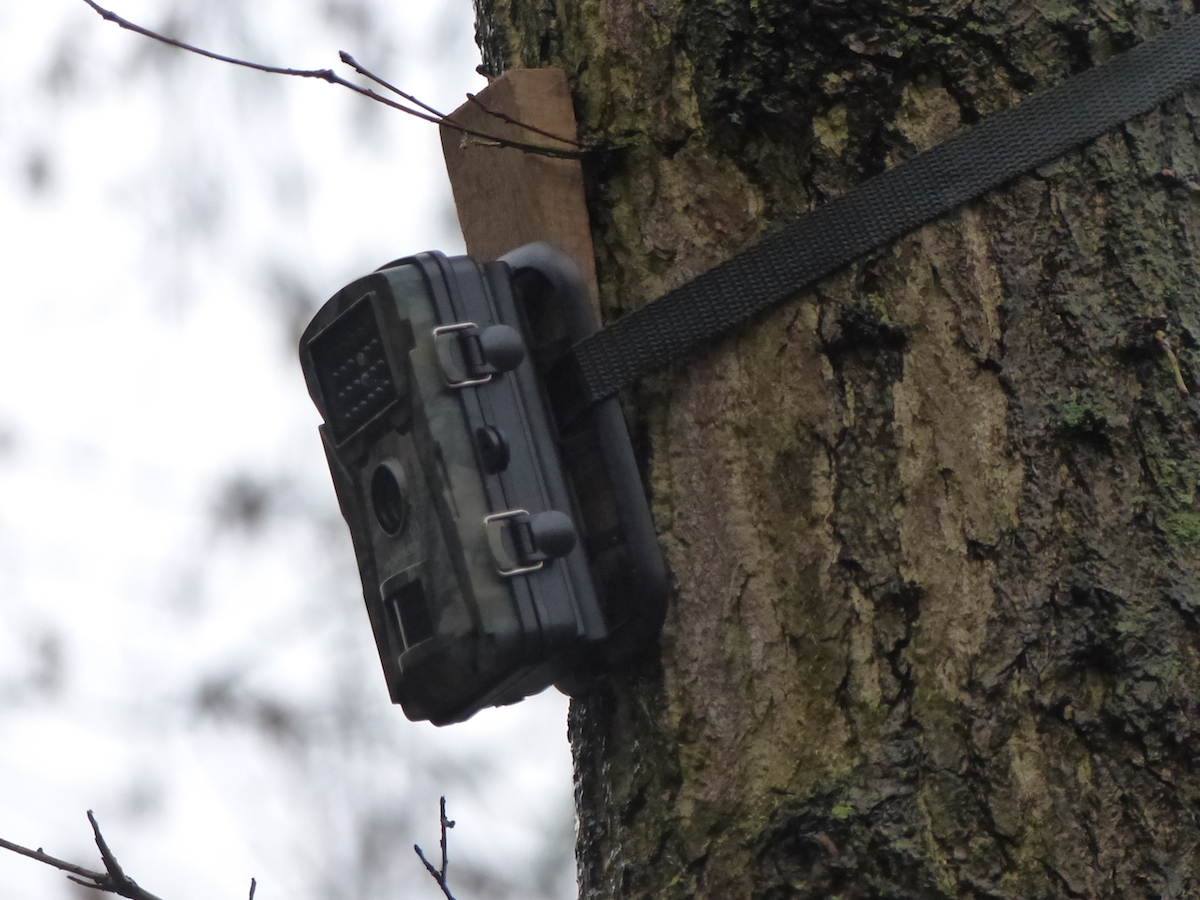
(387, 497)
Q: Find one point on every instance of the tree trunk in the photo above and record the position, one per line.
(936, 626)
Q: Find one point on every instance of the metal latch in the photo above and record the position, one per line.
(522, 543)
(470, 355)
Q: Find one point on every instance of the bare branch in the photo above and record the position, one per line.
(439, 876)
(115, 881)
(112, 881)
(495, 113)
(366, 73)
(253, 885)
(328, 75)
(446, 823)
(110, 16)
(43, 857)
(431, 868)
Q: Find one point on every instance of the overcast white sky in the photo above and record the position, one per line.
(182, 647)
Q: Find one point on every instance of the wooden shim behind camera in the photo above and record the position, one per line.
(507, 197)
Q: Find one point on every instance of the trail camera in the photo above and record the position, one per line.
(500, 550)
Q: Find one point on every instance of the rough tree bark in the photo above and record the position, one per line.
(933, 527)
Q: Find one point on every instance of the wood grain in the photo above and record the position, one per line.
(507, 197)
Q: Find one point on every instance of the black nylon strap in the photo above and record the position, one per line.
(878, 211)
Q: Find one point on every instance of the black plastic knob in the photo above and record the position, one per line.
(553, 533)
(493, 449)
(502, 347)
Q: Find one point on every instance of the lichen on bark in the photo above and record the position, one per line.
(933, 525)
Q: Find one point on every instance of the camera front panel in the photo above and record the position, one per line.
(446, 473)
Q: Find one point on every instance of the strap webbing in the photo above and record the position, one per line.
(878, 211)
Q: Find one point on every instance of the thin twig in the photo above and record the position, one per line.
(328, 75)
(253, 885)
(43, 857)
(112, 881)
(439, 876)
(446, 823)
(367, 73)
(505, 117)
(472, 98)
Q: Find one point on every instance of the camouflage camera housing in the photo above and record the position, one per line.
(500, 551)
